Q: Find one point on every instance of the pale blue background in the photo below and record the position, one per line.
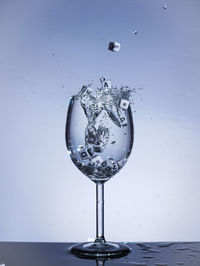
(48, 50)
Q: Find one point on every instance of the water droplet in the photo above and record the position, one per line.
(135, 32)
(164, 7)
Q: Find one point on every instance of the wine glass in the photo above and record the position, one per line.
(99, 139)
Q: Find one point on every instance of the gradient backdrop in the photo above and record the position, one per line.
(48, 50)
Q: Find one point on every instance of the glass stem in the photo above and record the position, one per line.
(100, 214)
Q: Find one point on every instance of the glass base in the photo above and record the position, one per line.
(100, 250)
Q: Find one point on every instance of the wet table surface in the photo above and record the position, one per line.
(57, 254)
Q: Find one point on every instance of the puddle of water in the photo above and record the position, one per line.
(166, 245)
(137, 263)
(195, 250)
(151, 250)
(183, 248)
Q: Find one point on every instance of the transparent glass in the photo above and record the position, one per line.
(108, 162)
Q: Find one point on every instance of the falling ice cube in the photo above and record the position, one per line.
(90, 151)
(98, 147)
(112, 164)
(108, 168)
(82, 152)
(90, 106)
(86, 101)
(102, 135)
(89, 90)
(102, 79)
(125, 92)
(115, 166)
(83, 89)
(91, 164)
(114, 46)
(124, 104)
(90, 135)
(97, 160)
(123, 120)
(107, 84)
(104, 164)
(107, 165)
(84, 155)
(114, 116)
